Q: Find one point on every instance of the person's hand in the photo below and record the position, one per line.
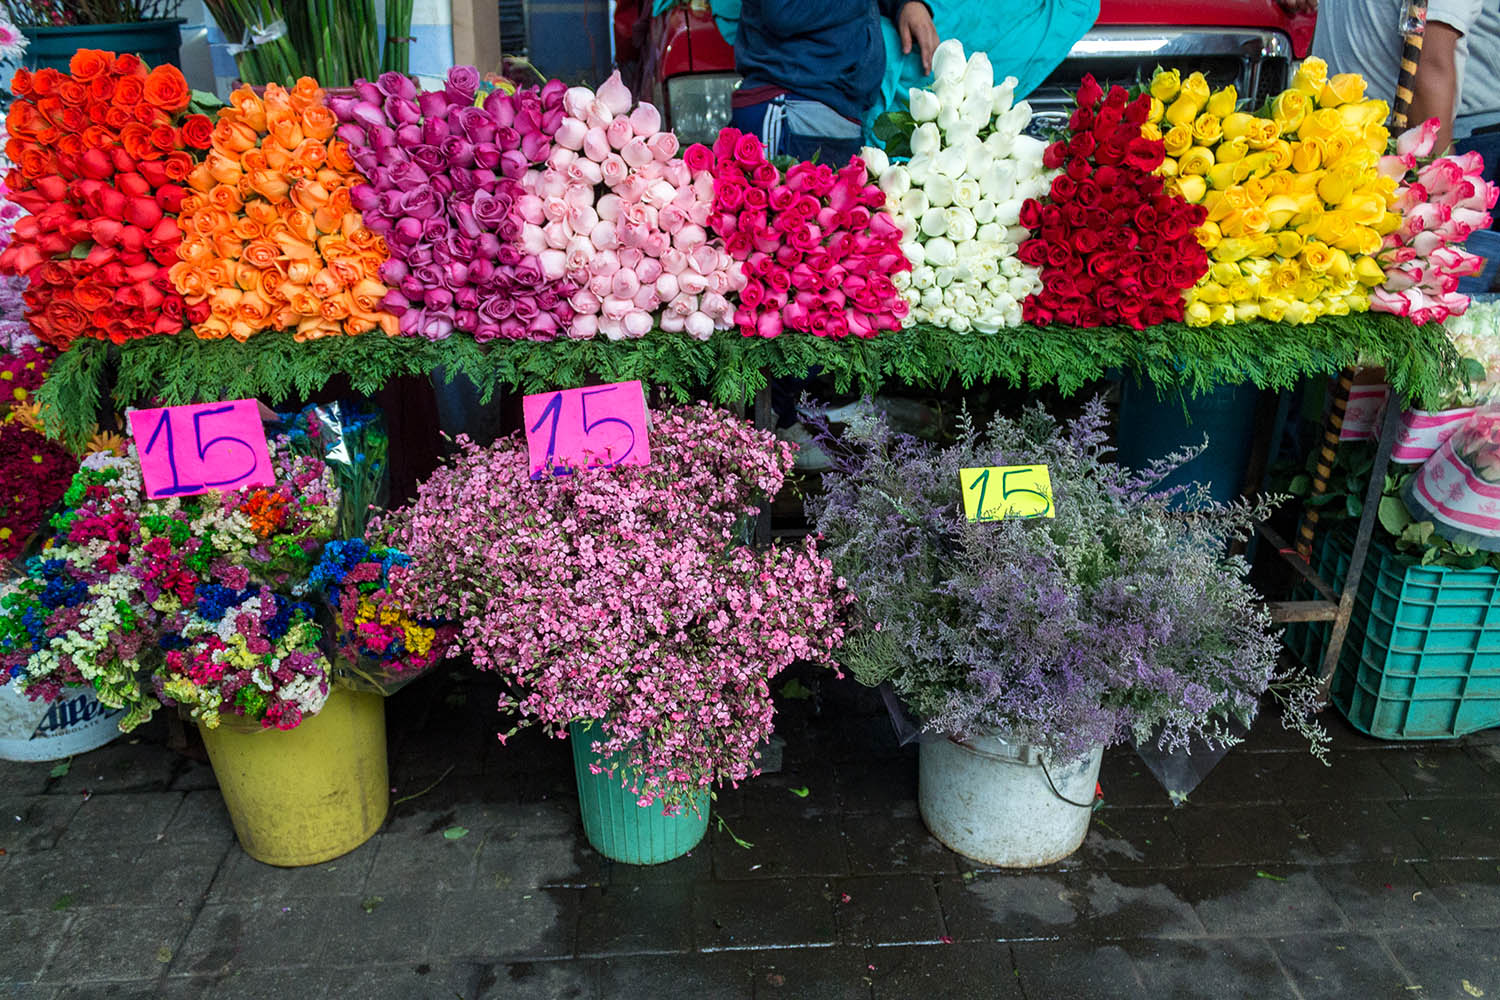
(1299, 6)
(916, 27)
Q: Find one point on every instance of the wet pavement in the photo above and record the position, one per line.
(1378, 877)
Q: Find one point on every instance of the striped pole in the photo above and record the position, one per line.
(1413, 24)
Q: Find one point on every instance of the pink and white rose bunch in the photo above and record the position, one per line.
(1442, 201)
(621, 596)
(819, 251)
(618, 213)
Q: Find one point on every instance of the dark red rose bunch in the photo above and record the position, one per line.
(102, 152)
(1112, 245)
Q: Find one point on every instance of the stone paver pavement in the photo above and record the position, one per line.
(1377, 878)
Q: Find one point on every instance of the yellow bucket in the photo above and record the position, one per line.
(308, 794)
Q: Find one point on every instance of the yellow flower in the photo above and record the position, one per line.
(1307, 156)
(1335, 186)
(1273, 309)
(1150, 131)
(1224, 272)
(29, 415)
(1338, 306)
(1258, 189)
(1223, 101)
(1190, 100)
(1246, 311)
(1321, 124)
(1340, 267)
(1197, 314)
(1237, 124)
(1222, 176)
(1296, 312)
(1195, 161)
(1280, 152)
(1212, 293)
(1264, 132)
(1360, 239)
(1366, 207)
(1226, 202)
(1206, 129)
(1367, 271)
(1165, 84)
(105, 441)
(1317, 256)
(1208, 235)
(1358, 301)
(1311, 76)
(1344, 88)
(1178, 140)
(1336, 150)
(1288, 108)
(1196, 88)
(1158, 109)
(1191, 188)
(1240, 291)
(1357, 116)
(1224, 313)
(1232, 250)
(1375, 137)
(1281, 209)
(1389, 223)
(1232, 150)
(1285, 276)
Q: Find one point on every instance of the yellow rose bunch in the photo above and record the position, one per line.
(1296, 206)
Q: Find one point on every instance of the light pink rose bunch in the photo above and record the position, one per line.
(616, 211)
(1442, 201)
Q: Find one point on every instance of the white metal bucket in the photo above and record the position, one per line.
(992, 801)
(51, 730)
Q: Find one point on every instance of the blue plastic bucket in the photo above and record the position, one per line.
(156, 42)
(1152, 427)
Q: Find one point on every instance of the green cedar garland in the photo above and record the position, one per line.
(1420, 362)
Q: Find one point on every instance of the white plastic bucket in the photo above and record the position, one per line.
(992, 801)
(51, 730)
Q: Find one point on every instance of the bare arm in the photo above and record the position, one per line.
(1435, 88)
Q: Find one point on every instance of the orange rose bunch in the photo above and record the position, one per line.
(101, 152)
(270, 239)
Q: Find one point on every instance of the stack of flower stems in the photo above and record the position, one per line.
(397, 36)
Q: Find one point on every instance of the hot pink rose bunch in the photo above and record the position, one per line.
(617, 212)
(819, 251)
(1442, 201)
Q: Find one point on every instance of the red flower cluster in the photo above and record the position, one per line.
(34, 473)
(818, 250)
(102, 152)
(1112, 245)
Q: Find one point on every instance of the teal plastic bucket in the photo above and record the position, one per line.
(616, 825)
(1152, 428)
(156, 42)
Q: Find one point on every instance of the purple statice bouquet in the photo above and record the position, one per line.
(1119, 617)
(445, 176)
(15, 333)
(621, 596)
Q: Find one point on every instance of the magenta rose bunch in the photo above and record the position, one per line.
(1442, 201)
(620, 596)
(818, 250)
(444, 177)
(618, 213)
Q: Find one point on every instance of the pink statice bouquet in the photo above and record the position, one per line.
(623, 597)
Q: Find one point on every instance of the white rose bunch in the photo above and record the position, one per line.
(960, 194)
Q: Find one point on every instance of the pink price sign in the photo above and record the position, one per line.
(201, 447)
(601, 425)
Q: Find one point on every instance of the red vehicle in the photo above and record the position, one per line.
(686, 68)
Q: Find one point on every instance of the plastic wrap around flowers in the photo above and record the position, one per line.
(958, 198)
(445, 177)
(1442, 202)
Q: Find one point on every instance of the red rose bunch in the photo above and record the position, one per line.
(103, 152)
(1112, 245)
(818, 251)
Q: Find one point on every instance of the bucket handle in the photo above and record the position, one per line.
(1028, 752)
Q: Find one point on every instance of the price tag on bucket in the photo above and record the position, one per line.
(598, 425)
(1006, 491)
(200, 447)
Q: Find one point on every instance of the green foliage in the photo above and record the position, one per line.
(730, 369)
(894, 129)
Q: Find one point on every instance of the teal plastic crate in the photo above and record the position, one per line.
(1422, 657)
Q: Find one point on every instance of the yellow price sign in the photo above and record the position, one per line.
(1003, 491)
